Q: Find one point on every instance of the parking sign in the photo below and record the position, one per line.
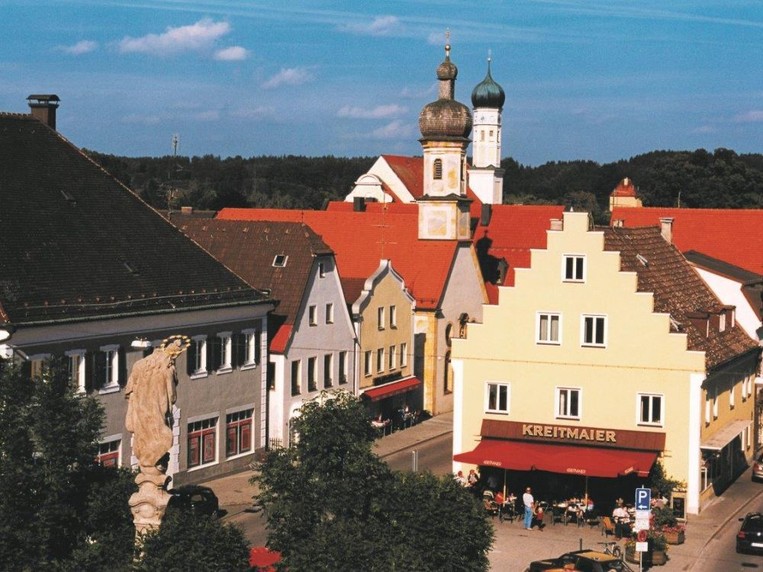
(643, 498)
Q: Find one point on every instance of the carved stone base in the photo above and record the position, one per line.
(149, 503)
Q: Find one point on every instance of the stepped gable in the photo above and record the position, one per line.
(361, 239)
(677, 289)
(77, 244)
(731, 235)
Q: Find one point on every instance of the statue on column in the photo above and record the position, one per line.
(150, 392)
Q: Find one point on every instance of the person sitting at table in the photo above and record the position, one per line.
(622, 521)
(460, 478)
(473, 478)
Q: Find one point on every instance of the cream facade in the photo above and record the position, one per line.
(575, 349)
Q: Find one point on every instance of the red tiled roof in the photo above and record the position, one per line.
(361, 239)
(410, 171)
(512, 231)
(731, 235)
(625, 188)
(677, 288)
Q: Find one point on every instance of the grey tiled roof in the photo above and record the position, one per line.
(77, 244)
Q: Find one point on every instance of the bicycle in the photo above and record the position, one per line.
(613, 548)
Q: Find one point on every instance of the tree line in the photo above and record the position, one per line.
(693, 179)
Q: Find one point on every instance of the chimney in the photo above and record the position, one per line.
(557, 224)
(44, 108)
(666, 228)
(485, 214)
(359, 204)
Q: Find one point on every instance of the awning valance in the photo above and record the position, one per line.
(565, 459)
(392, 388)
(725, 435)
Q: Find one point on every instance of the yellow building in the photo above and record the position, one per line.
(607, 354)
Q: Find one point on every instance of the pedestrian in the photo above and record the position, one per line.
(529, 503)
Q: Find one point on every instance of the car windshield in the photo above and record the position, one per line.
(754, 523)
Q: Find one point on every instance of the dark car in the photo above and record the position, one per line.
(197, 499)
(750, 535)
(585, 560)
(757, 468)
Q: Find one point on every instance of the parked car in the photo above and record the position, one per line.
(757, 468)
(584, 560)
(197, 499)
(750, 535)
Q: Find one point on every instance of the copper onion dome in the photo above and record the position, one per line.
(488, 93)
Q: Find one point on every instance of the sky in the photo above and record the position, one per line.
(599, 80)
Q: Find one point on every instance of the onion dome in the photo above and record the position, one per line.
(445, 118)
(488, 93)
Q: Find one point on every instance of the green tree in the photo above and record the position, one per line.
(49, 484)
(332, 504)
(187, 542)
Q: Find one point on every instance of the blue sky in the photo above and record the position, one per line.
(584, 79)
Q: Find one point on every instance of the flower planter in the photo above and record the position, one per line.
(652, 558)
(674, 536)
(659, 557)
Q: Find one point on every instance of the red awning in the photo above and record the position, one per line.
(566, 459)
(393, 388)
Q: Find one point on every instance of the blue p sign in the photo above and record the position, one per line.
(643, 498)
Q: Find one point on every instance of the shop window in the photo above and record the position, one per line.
(202, 442)
(548, 328)
(573, 268)
(650, 409)
(594, 331)
(238, 431)
(568, 402)
(497, 397)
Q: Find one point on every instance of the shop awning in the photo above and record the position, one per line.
(565, 459)
(392, 388)
(725, 435)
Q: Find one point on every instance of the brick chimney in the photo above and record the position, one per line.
(666, 228)
(44, 108)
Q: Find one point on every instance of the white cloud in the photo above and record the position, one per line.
(395, 130)
(378, 112)
(379, 26)
(232, 54)
(289, 76)
(199, 36)
(754, 116)
(81, 47)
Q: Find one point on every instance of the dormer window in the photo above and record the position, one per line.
(280, 260)
(438, 169)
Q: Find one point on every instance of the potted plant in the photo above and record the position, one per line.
(666, 522)
(656, 555)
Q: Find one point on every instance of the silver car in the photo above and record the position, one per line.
(757, 468)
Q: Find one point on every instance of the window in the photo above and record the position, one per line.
(312, 375)
(342, 367)
(108, 453)
(393, 317)
(380, 360)
(279, 261)
(251, 351)
(296, 374)
(223, 352)
(437, 169)
(708, 406)
(497, 397)
(238, 432)
(568, 402)
(380, 317)
(202, 442)
(548, 328)
(321, 270)
(367, 363)
(328, 369)
(329, 313)
(403, 354)
(392, 357)
(448, 381)
(107, 369)
(197, 357)
(594, 330)
(732, 400)
(312, 312)
(649, 409)
(77, 370)
(574, 268)
(715, 403)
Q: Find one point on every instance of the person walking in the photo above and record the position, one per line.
(529, 503)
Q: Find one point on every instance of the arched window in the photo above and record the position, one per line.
(438, 169)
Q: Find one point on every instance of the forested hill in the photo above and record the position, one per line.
(721, 179)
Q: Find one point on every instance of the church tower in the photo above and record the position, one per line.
(445, 126)
(486, 175)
